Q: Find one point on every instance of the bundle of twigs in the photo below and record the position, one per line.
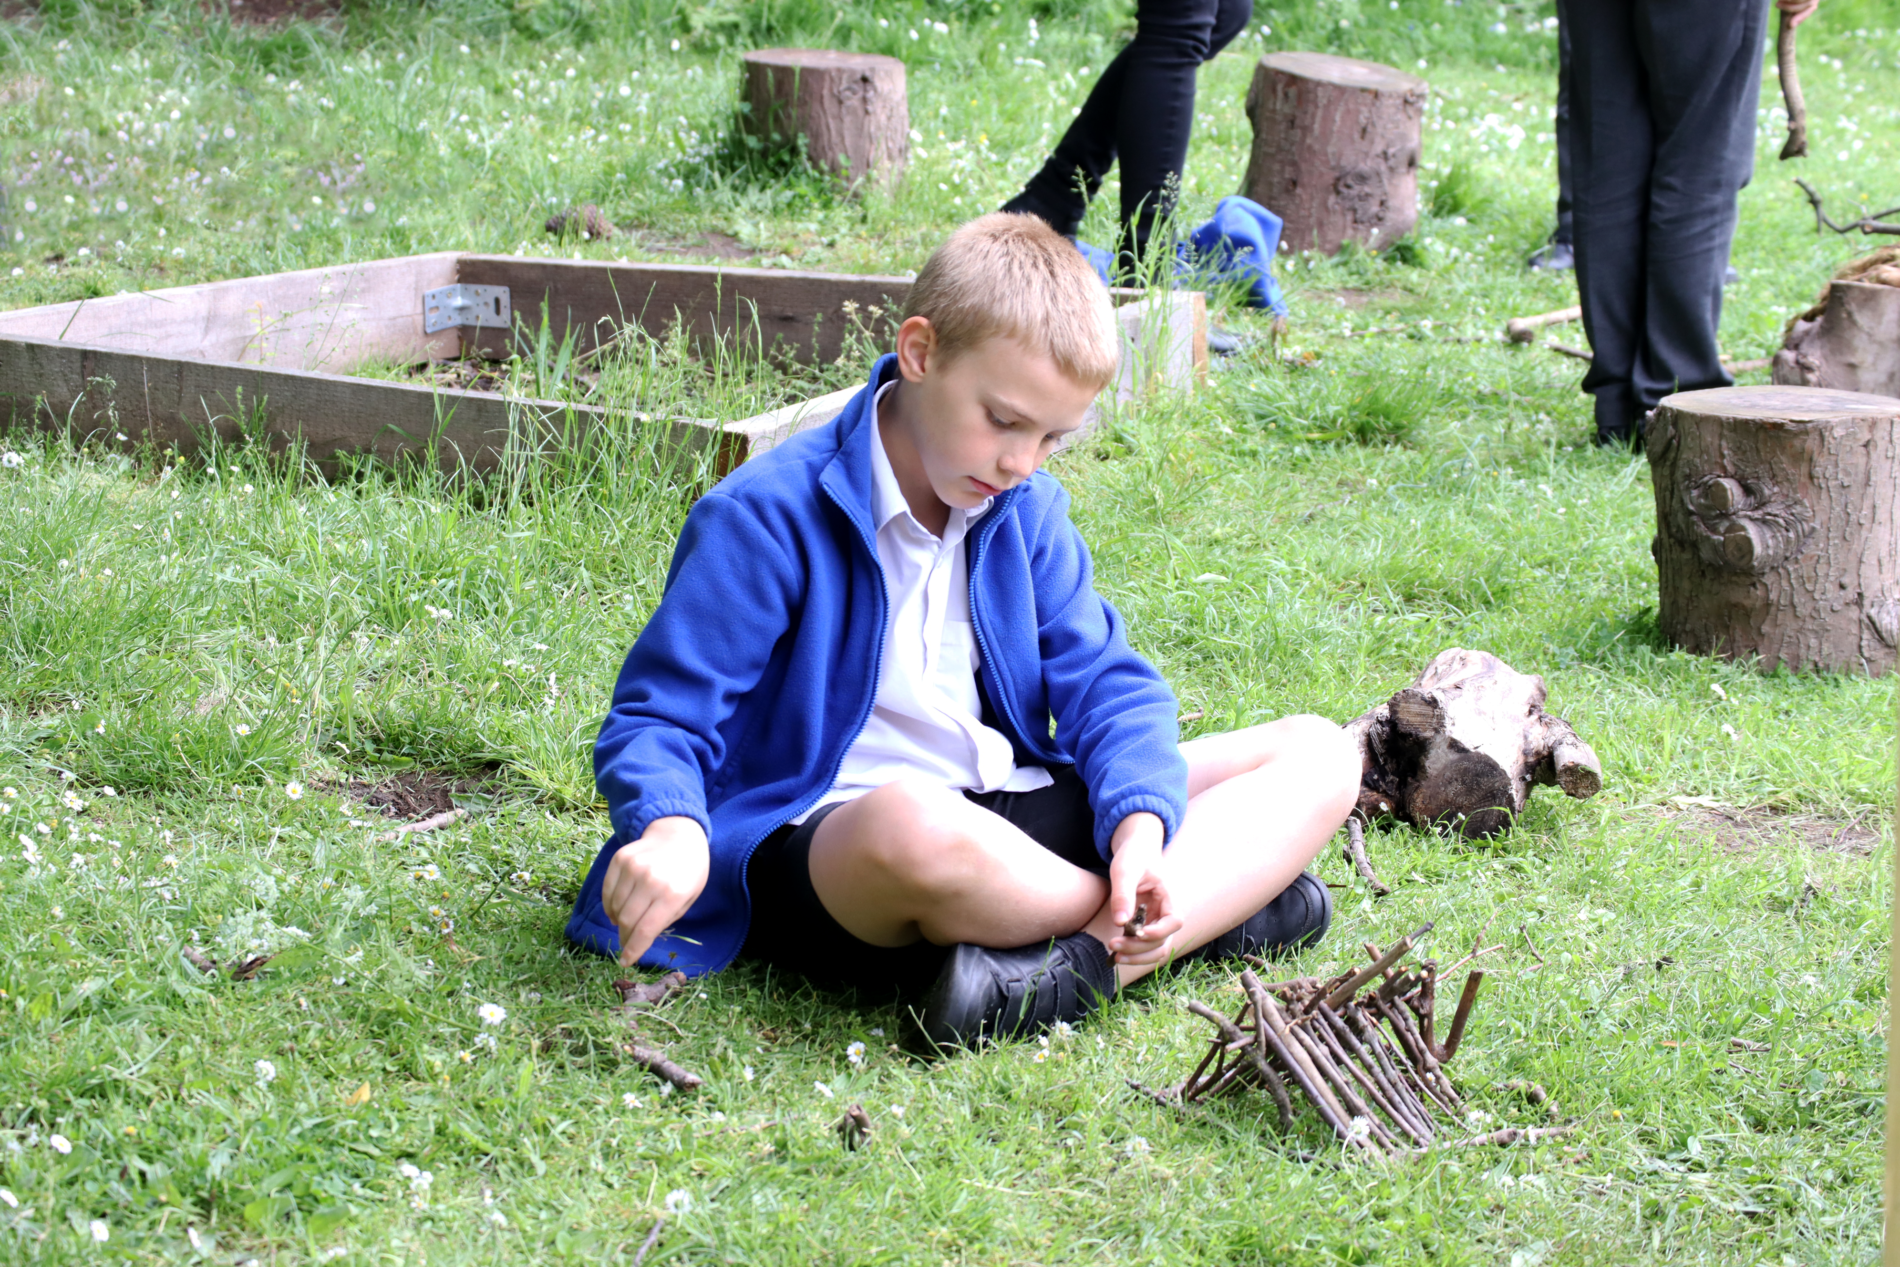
(1359, 1047)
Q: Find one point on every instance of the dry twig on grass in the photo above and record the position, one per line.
(1875, 223)
(1359, 1048)
(653, 1238)
(433, 822)
(854, 1128)
(635, 997)
(1356, 851)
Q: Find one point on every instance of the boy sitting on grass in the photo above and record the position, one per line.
(882, 731)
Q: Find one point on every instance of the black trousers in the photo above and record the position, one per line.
(1141, 111)
(1566, 223)
(1662, 138)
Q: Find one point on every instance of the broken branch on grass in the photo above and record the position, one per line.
(1524, 329)
(854, 1128)
(636, 997)
(1564, 349)
(1356, 850)
(1532, 945)
(653, 1238)
(1514, 1135)
(433, 822)
(1876, 223)
(200, 960)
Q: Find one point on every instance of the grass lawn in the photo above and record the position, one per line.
(222, 683)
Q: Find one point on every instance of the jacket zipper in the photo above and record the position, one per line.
(877, 662)
(1004, 705)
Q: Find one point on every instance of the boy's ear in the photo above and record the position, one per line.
(916, 348)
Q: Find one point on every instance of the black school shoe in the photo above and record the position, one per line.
(1296, 919)
(984, 993)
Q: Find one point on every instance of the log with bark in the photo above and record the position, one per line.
(1335, 149)
(1849, 338)
(849, 110)
(1778, 525)
(1463, 745)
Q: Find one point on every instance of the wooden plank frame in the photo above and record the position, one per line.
(271, 357)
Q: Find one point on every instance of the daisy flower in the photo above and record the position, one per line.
(492, 1013)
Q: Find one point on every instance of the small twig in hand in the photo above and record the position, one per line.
(653, 1238)
(1135, 922)
(1532, 945)
(1356, 850)
(854, 1128)
(1797, 143)
(431, 823)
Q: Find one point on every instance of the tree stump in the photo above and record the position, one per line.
(1778, 525)
(1335, 149)
(849, 109)
(1850, 339)
(1462, 746)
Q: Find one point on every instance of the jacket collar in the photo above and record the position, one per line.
(850, 478)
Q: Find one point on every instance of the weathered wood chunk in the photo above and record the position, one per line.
(1335, 149)
(850, 109)
(1778, 525)
(1850, 338)
(1462, 746)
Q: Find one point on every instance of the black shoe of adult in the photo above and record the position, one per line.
(1627, 436)
(984, 993)
(1296, 919)
(1555, 255)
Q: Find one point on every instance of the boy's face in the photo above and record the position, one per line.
(983, 421)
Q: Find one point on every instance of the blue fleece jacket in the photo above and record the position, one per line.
(758, 668)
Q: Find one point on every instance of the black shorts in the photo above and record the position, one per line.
(791, 929)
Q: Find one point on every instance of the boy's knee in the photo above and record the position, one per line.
(1326, 745)
(918, 833)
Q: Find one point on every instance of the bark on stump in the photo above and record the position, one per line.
(1778, 525)
(849, 108)
(1462, 746)
(1335, 149)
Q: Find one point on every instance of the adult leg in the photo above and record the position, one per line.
(1611, 151)
(1560, 251)
(1703, 62)
(1156, 112)
(1062, 188)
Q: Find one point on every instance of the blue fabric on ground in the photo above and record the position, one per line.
(1236, 246)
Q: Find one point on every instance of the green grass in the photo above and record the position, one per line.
(205, 639)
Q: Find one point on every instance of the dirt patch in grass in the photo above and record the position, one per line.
(711, 244)
(1353, 297)
(1744, 832)
(415, 794)
(270, 12)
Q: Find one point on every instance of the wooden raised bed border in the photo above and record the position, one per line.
(167, 366)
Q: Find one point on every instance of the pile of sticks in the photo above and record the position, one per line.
(1359, 1047)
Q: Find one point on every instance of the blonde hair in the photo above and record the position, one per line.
(1012, 275)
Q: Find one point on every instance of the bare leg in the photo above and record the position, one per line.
(911, 861)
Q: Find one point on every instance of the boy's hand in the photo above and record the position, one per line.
(652, 881)
(1798, 11)
(1134, 879)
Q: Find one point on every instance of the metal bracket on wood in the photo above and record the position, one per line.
(464, 305)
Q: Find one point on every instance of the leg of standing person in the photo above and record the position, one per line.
(1662, 140)
(1559, 252)
(1610, 153)
(1141, 110)
(1704, 60)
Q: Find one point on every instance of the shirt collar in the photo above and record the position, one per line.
(887, 496)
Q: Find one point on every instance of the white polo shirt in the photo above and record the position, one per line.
(926, 721)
